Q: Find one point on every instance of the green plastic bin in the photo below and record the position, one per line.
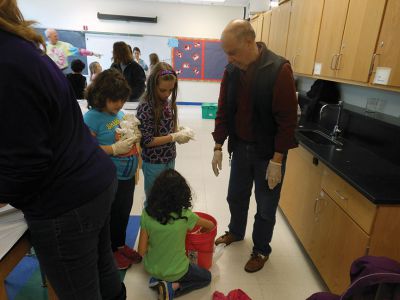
(209, 110)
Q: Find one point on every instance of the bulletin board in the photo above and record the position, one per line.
(199, 59)
(77, 39)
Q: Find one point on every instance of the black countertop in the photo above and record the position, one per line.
(375, 177)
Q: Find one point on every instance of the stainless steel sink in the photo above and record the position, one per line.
(320, 138)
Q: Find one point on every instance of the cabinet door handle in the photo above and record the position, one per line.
(338, 61)
(340, 195)
(333, 66)
(294, 61)
(315, 205)
(371, 67)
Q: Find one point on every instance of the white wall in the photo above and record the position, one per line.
(174, 20)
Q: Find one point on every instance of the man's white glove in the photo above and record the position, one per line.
(217, 162)
(274, 174)
(98, 55)
(122, 147)
(180, 137)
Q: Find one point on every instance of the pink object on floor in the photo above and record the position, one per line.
(237, 294)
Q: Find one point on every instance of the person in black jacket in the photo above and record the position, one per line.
(76, 79)
(132, 71)
(52, 168)
(257, 113)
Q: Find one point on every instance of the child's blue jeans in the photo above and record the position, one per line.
(195, 278)
(151, 171)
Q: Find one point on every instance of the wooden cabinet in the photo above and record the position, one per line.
(266, 27)
(329, 235)
(301, 187)
(359, 208)
(386, 232)
(336, 242)
(333, 221)
(349, 30)
(304, 28)
(330, 36)
(359, 39)
(257, 24)
(388, 46)
(278, 34)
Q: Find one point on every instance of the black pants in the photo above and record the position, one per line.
(74, 251)
(120, 211)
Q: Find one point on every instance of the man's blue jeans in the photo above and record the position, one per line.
(246, 168)
(74, 251)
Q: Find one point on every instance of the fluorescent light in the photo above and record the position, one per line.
(201, 1)
(274, 4)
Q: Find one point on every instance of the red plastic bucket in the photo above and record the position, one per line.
(199, 245)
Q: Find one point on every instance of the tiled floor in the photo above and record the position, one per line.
(288, 274)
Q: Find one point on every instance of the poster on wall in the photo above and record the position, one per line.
(199, 59)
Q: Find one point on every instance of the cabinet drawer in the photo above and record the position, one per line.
(356, 205)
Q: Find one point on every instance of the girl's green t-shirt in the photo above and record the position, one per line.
(166, 257)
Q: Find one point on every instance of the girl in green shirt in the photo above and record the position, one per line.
(164, 224)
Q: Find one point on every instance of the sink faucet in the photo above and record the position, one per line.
(335, 131)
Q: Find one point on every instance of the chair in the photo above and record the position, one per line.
(372, 278)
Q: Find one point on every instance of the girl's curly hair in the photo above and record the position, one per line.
(169, 194)
(108, 85)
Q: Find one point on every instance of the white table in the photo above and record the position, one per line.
(14, 244)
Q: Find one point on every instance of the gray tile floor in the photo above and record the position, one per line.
(288, 274)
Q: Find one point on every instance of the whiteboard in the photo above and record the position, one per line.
(103, 44)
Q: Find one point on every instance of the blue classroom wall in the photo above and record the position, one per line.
(215, 59)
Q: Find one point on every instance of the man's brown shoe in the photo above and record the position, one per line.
(255, 263)
(227, 238)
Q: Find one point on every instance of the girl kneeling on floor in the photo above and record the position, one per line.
(164, 224)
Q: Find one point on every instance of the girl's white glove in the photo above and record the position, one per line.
(180, 137)
(138, 134)
(188, 131)
(274, 174)
(122, 147)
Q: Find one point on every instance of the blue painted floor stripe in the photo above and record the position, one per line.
(20, 275)
(132, 230)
